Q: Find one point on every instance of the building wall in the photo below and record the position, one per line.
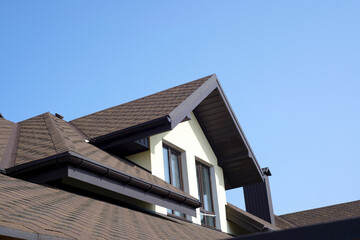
(189, 139)
(142, 159)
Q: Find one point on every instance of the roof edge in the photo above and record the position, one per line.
(133, 129)
(79, 161)
(253, 221)
(189, 104)
(228, 106)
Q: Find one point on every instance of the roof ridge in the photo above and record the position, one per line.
(57, 137)
(8, 155)
(200, 79)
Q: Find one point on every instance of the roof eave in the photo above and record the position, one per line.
(81, 166)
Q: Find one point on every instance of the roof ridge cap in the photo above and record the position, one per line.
(57, 137)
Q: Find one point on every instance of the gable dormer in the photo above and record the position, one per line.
(129, 125)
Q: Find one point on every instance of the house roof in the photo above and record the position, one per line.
(6, 135)
(162, 112)
(247, 220)
(345, 229)
(319, 215)
(30, 210)
(43, 138)
(115, 119)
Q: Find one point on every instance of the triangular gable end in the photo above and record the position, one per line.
(163, 111)
(223, 132)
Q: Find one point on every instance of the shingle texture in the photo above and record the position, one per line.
(6, 129)
(46, 135)
(136, 112)
(35, 208)
(319, 215)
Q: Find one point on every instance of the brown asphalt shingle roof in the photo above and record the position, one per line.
(38, 209)
(319, 215)
(6, 129)
(136, 112)
(46, 135)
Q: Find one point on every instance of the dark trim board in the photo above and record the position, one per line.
(73, 165)
(128, 190)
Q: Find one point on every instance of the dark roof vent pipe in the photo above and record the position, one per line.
(59, 116)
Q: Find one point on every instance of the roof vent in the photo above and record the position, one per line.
(2, 116)
(59, 116)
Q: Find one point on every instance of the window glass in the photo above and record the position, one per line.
(205, 172)
(172, 168)
(205, 195)
(166, 165)
(175, 170)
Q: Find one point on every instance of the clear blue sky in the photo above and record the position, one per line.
(291, 71)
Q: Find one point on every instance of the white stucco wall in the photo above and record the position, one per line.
(142, 159)
(189, 139)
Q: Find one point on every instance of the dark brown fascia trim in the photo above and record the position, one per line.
(78, 161)
(142, 133)
(9, 155)
(190, 103)
(129, 190)
(133, 129)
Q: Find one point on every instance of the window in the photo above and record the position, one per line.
(172, 166)
(205, 195)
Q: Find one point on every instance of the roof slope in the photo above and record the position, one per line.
(7, 128)
(247, 220)
(38, 209)
(320, 215)
(45, 135)
(136, 112)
